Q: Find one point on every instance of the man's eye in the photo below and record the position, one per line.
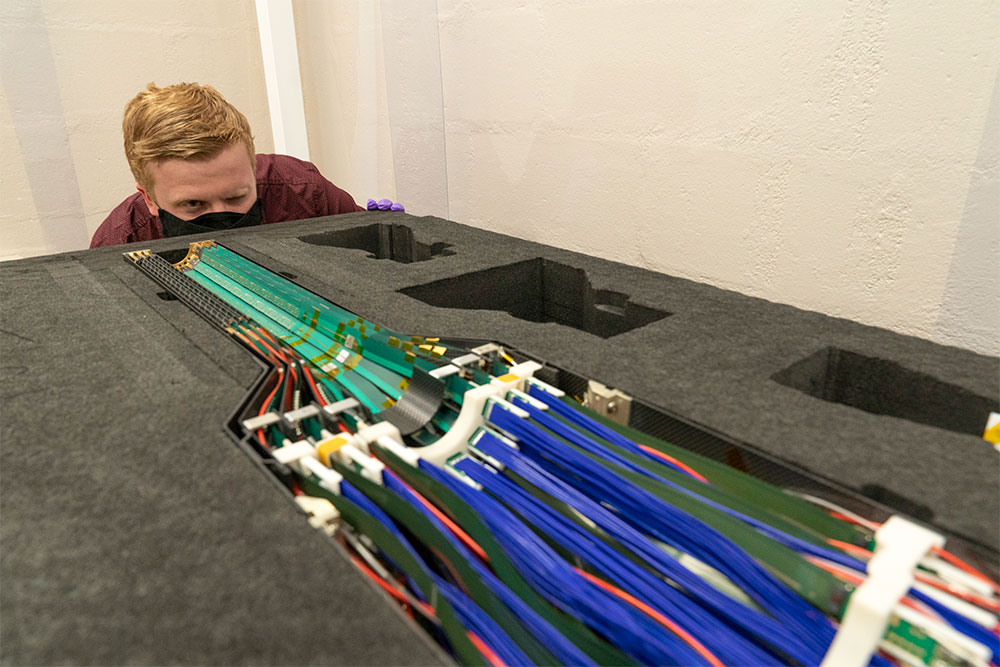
(191, 203)
(236, 198)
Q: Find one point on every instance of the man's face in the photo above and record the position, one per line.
(189, 188)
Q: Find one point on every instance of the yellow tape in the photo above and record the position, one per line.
(407, 346)
(321, 359)
(438, 351)
(426, 349)
(327, 447)
(393, 341)
(388, 403)
(509, 377)
(409, 357)
(992, 434)
(405, 384)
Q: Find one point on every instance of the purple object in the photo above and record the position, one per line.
(384, 205)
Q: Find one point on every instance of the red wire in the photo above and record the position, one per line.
(452, 526)
(264, 406)
(680, 464)
(663, 620)
(312, 385)
(390, 589)
(276, 353)
(287, 396)
(487, 652)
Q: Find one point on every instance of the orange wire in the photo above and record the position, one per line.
(871, 525)
(487, 652)
(968, 597)
(971, 598)
(657, 616)
(683, 466)
(858, 579)
(962, 565)
(850, 548)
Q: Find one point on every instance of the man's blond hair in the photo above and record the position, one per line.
(186, 121)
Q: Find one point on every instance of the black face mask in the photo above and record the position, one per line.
(210, 222)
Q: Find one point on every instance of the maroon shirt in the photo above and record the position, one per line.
(289, 189)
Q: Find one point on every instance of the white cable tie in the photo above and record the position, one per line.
(266, 419)
(371, 468)
(306, 411)
(900, 544)
(444, 371)
(521, 371)
(292, 453)
(328, 479)
(369, 434)
(465, 359)
(399, 449)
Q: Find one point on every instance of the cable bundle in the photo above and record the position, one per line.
(571, 540)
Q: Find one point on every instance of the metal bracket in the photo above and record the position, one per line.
(608, 402)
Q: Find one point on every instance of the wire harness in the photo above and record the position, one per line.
(517, 527)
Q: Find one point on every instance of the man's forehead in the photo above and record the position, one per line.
(227, 172)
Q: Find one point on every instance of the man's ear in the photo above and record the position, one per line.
(154, 210)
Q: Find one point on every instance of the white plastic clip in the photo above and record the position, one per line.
(375, 432)
(470, 417)
(900, 544)
(321, 512)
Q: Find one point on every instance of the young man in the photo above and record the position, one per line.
(192, 155)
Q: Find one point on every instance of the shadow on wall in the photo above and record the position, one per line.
(970, 305)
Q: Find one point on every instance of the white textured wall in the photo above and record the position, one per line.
(840, 156)
(67, 68)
